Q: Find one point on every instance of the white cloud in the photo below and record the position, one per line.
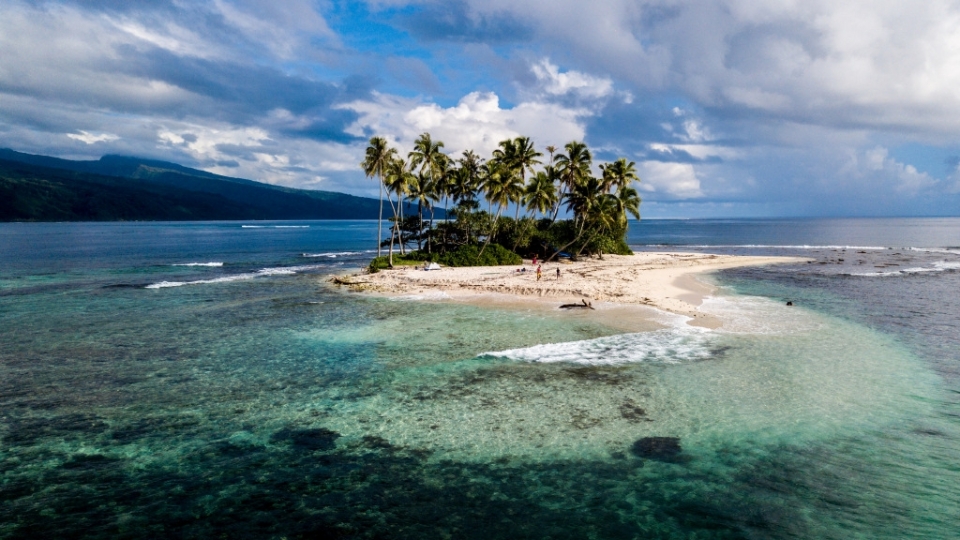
(91, 138)
(676, 180)
(475, 123)
(698, 151)
(553, 82)
(203, 141)
(886, 64)
(877, 166)
(286, 28)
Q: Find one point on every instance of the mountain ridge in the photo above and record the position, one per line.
(43, 188)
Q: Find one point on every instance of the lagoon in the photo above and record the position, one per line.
(205, 379)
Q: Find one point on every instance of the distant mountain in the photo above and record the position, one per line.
(113, 188)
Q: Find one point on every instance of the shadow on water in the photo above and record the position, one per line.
(310, 483)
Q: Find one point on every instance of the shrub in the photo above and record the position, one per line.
(383, 262)
(469, 255)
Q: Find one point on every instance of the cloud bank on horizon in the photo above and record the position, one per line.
(729, 107)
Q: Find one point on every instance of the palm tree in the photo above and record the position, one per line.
(427, 156)
(603, 215)
(420, 189)
(573, 168)
(551, 149)
(519, 156)
(619, 174)
(524, 158)
(499, 187)
(439, 190)
(582, 199)
(628, 201)
(432, 162)
(462, 186)
(398, 180)
(377, 158)
(540, 194)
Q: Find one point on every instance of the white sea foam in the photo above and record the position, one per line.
(941, 266)
(432, 295)
(274, 226)
(768, 246)
(756, 315)
(951, 251)
(210, 264)
(667, 346)
(332, 255)
(282, 271)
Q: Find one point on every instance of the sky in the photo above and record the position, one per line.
(730, 108)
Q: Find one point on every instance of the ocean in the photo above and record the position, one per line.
(199, 380)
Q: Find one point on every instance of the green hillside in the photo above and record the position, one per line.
(41, 188)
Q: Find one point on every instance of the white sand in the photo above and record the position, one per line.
(665, 281)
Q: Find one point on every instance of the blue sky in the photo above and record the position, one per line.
(728, 107)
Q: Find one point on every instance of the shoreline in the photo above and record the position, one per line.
(665, 281)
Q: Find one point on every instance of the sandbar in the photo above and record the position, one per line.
(664, 281)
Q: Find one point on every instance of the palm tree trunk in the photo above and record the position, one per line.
(446, 218)
(430, 237)
(587, 243)
(403, 251)
(556, 210)
(557, 252)
(380, 221)
(493, 230)
(420, 225)
(393, 231)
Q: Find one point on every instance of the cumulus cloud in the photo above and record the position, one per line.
(476, 122)
(876, 166)
(809, 105)
(557, 83)
(888, 65)
(675, 180)
(91, 138)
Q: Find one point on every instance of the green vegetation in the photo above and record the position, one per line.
(465, 255)
(599, 205)
(40, 188)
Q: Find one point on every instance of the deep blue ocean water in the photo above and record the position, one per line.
(206, 380)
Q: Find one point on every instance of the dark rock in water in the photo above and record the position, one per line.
(377, 443)
(661, 448)
(789, 303)
(308, 439)
(631, 412)
(91, 462)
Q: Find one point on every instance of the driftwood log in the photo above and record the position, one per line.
(584, 305)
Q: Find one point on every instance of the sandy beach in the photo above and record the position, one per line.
(665, 281)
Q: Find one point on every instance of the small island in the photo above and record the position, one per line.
(480, 234)
(574, 261)
(665, 281)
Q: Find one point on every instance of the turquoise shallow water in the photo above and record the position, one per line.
(253, 399)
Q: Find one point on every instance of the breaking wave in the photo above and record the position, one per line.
(265, 272)
(667, 346)
(274, 226)
(942, 266)
(332, 255)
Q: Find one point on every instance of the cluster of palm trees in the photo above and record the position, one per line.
(428, 178)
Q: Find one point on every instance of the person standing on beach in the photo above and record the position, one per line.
(558, 273)
(534, 260)
(539, 273)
